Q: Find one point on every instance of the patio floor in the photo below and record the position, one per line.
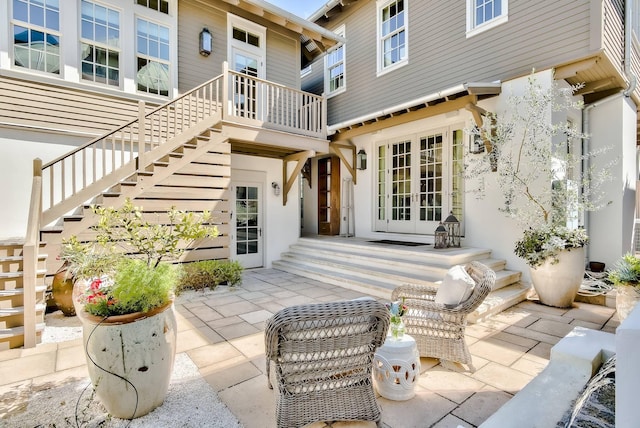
(221, 331)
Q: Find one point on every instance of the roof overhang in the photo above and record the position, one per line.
(450, 99)
(314, 38)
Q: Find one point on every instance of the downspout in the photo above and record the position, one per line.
(631, 78)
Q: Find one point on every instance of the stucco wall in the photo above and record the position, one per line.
(612, 124)
(281, 224)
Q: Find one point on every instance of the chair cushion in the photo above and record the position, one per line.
(456, 287)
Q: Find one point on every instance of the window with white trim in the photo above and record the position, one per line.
(485, 14)
(392, 34)
(36, 35)
(152, 57)
(159, 5)
(100, 43)
(334, 68)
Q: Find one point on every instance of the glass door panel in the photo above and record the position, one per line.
(248, 225)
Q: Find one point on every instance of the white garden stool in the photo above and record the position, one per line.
(396, 368)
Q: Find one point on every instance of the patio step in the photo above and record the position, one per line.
(377, 269)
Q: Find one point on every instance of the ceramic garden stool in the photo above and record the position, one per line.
(396, 368)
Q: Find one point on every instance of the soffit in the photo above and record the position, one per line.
(451, 99)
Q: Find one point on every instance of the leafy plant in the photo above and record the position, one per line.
(199, 275)
(230, 272)
(127, 264)
(536, 246)
(626, 271)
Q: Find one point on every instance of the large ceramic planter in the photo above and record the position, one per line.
(627, 297)
(130, 359)
(62, 291)
(558, 284)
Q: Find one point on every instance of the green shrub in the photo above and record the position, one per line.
(230, 272)
(199, 275)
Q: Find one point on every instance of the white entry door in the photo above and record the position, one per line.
(419, 181)
(248, 219)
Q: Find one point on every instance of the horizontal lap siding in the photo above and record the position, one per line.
(193, 68)
(537, 35)
(613, 37)
(283, 54)
(203, 184)
(31, 104)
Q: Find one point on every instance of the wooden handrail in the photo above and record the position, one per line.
(30, 257)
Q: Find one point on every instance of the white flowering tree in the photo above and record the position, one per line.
(545, 180)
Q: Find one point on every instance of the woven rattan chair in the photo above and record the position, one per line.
(439, 329)
(322, 358)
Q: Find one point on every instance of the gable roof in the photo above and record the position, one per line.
(314, 38)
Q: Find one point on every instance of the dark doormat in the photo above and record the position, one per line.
(392, 242)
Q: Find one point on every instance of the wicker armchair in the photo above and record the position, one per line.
(322, 359)
(439, 329)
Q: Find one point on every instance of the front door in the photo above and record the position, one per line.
(247, 51)
(419, 181)
(248, 224)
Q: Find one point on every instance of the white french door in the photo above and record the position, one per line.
(247, 220)
(419, 181)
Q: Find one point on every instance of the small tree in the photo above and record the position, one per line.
(546, 185)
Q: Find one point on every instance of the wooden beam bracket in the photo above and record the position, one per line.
(336, 148)
(289, 180)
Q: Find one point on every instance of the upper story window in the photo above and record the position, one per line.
(159, 5)
(392, 34)
(152, 57)
(100, 43)
(485, 14)
(246, 37)
(36, 35)
(334, 78)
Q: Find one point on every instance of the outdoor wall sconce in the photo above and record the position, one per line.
(206, 42)
(453, 230)
(441, 237)
(276, 188)
(476, 145)
(361, 160)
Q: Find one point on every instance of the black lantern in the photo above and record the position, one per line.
(441, 237)
(206, 42)
(453, 229)
(361, 160)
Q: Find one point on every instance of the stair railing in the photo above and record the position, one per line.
(72, 179)
(30, 258)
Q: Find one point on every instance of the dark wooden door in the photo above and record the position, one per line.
(329, 196)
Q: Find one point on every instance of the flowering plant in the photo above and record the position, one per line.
(397, 310)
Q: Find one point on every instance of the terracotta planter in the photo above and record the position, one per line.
(557, 284)
(62, 291)
(627, 297)
(130, 359)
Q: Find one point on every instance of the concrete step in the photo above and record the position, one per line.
(377, 269)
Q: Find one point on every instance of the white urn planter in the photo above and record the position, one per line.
(130, 359)
(557, 284)
(627, 297)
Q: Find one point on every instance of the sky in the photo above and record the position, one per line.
(302, 8)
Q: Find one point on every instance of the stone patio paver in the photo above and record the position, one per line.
(221, 331)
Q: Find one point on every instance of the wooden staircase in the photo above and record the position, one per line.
(12, 295)
(377, 269)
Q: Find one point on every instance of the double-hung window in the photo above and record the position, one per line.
(36, 35)
(100, 43)
(392, 34)
(335, 81)
(153, 61)
(485, 14)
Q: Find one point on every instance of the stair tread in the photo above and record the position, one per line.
(6, 333)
